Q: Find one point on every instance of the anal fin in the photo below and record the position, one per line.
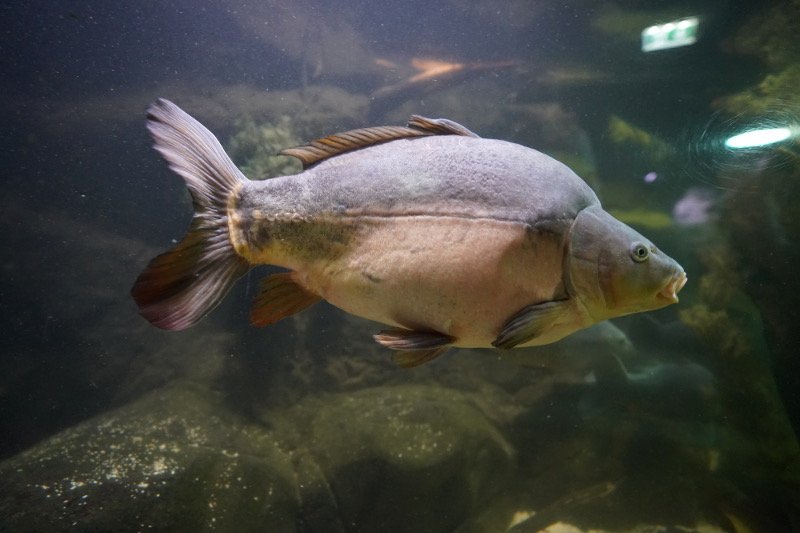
(280, 296)
(414, 347)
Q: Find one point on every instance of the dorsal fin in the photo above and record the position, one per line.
(439, 126)
(339, 143)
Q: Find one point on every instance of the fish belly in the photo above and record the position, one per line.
(459, 276)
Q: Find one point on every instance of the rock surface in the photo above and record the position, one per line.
(180, 459)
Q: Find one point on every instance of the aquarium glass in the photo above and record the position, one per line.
(360, 334)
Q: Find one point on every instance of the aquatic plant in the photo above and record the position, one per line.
(761, 211)
(255, 147)
(743, 312)
(711, 318)
(778, 89)
(770, 35)
(623, 133)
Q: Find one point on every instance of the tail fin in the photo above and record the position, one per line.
(181, 286)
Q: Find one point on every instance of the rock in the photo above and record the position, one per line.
(389, 452)
(179, 458)
(171, 460)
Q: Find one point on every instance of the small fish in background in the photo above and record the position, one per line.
(597, 351)
(428, 71)
(449, 239)
(665, 389)
(424, 75)
(694, 207)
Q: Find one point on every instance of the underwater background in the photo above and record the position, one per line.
(682, 419)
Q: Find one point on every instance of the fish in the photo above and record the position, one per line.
(448, 239)
(430, 75)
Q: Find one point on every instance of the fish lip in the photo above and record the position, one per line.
(673, 287)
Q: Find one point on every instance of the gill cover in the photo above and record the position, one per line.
(614, 270)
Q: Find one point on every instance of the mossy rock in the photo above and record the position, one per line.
(173, 460)
(406, 458)
(255, 148)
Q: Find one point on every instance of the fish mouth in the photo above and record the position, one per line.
(673, 287)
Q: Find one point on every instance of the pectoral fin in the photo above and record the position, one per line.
(414, 347)
(280, 296)
(529, 323)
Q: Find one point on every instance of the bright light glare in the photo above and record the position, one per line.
(753, 138)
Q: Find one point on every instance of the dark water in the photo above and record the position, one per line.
(683, 417)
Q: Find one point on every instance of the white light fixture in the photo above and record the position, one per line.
(760, 137)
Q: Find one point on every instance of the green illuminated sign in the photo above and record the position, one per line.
(670, 35)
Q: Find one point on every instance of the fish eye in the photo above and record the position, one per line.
(639, 252)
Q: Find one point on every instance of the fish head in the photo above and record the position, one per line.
(615, 271)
